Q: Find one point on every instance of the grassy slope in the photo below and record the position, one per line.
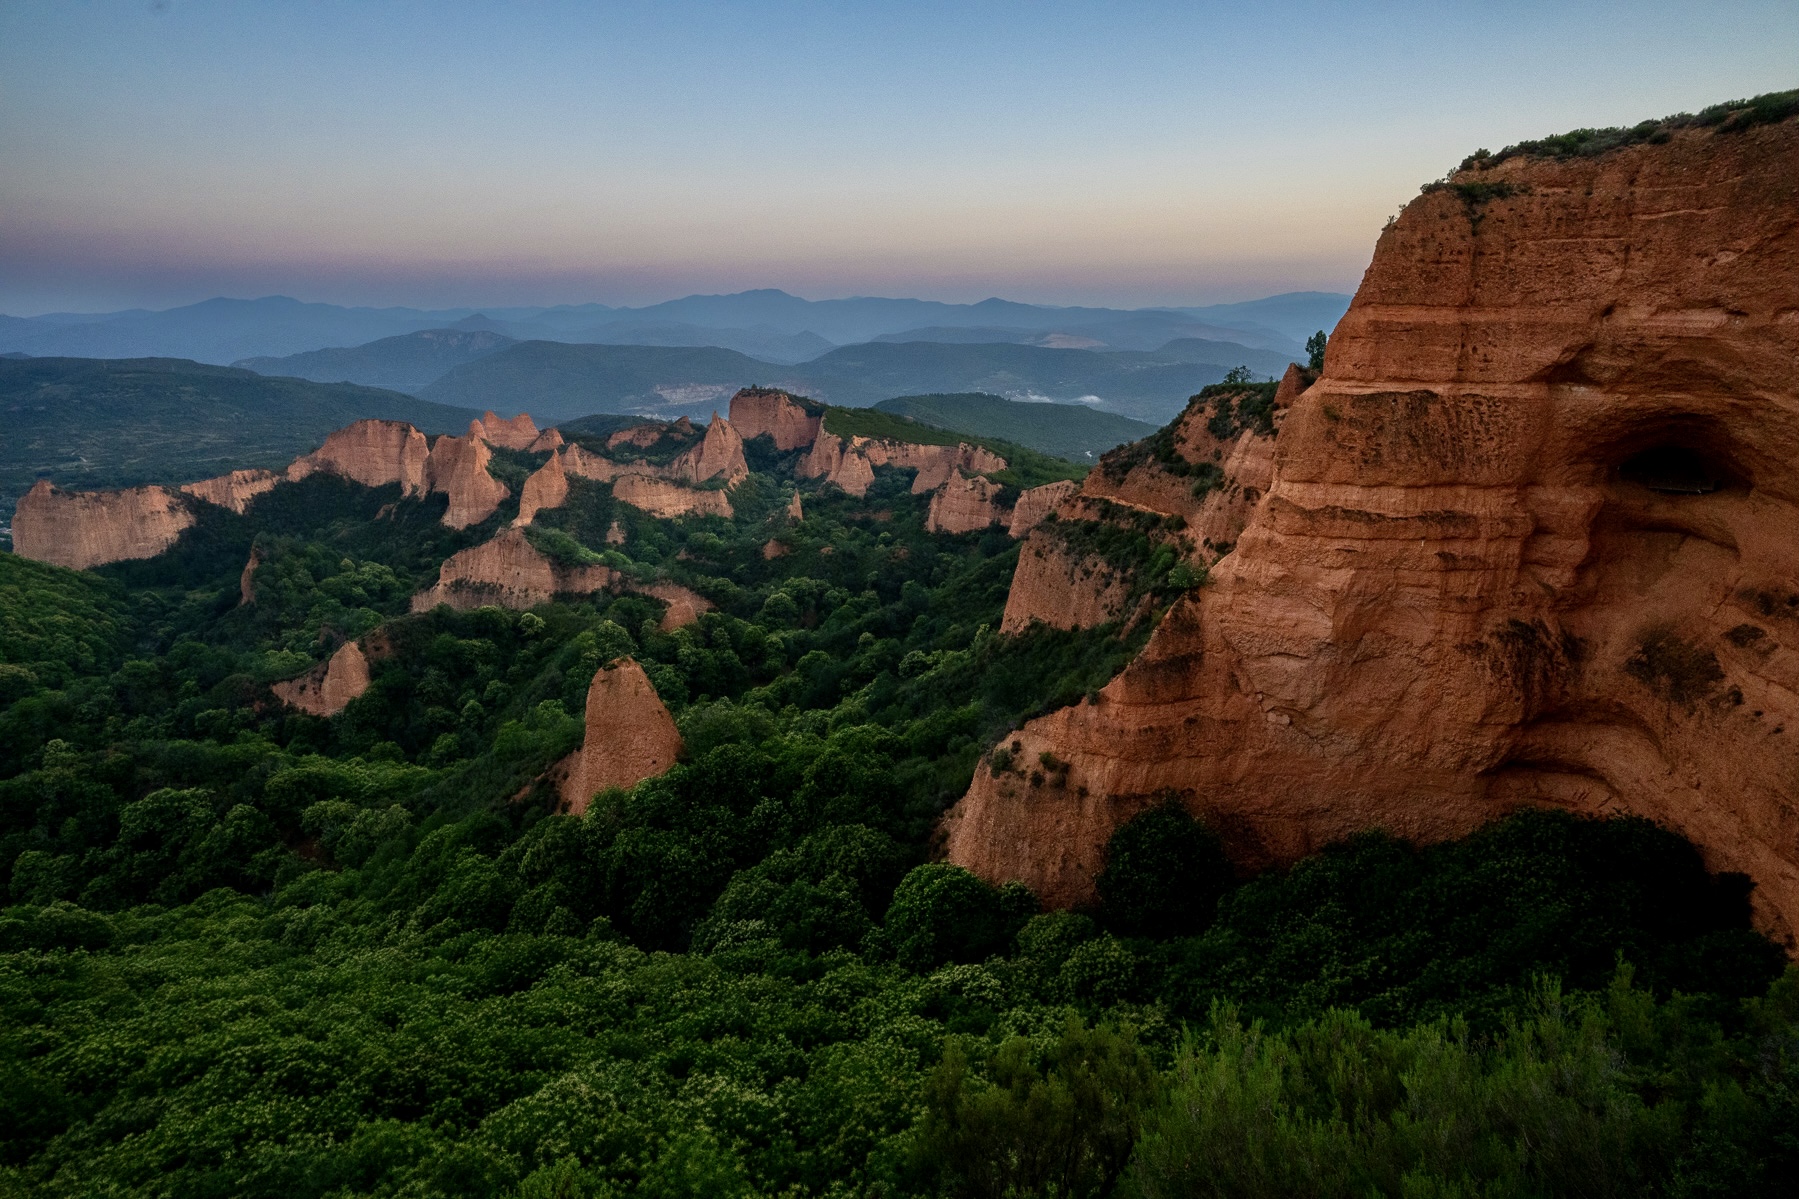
(1060, 430)
(92, 423)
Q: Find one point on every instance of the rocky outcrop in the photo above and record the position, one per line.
(763, 411)
(235, 490)
(963, 505)
(246, 580)
(796, 512)
(642, 436)
(629, 737)
(1035, 503)
(546, 487)
(719, 453)
(1060, 583)
(373, 453)
(1527, 541)
(584, 464)
(659, 497)
(935, 464)
(328, 688)
(684, 605)
(548, 442)
(833, 461)
(81, 529)
(458, 467)
(518, 433)
(509, 572)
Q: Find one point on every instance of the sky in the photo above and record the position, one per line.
(461, 154)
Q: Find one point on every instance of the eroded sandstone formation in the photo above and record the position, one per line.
(509, 572)
(234, 490)
(719, 453)
(548, 441)
(1529, 540)
(370, 452)
(546, 487)
(458, 467)
(246, 580)
(833, 461)
(1035, 503)
(963, 504)
(660, 497)
(81, 529)
(759, 411)
(518, 433)
(328, 688)
(629, 737)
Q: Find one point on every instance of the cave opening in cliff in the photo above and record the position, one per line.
(1674, 470)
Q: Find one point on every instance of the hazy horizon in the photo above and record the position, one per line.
(457, 155)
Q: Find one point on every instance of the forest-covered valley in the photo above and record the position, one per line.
(249, 951)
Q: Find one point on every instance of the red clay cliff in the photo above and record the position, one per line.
(1529, 540)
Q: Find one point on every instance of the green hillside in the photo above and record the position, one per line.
(92, 423)
(555, 381)
(1025, 467)
(404, 363)
(1071, 431)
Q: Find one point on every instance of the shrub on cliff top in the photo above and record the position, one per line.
(1733, 116)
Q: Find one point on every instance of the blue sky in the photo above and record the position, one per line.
(1118, 153)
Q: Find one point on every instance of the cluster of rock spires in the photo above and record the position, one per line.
(1528, 541)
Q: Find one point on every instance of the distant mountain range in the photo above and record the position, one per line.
(558, 381)
(768, 324)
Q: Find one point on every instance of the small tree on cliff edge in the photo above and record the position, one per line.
(1315, 350)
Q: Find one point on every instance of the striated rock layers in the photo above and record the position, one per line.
(850, 463)
(659, 497)
(328, 688)
(508, 572)
(1528, 541)
(629, 737)
(235, 490)
(964, 504)
(81, 529)
(759, 411)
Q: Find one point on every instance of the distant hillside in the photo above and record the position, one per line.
(1025, 466)
(1142, 331)
(768, 344)
(556, 381)
(90, 423)
(1069, 431)
(403, 363)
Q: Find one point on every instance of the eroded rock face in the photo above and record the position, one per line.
(373, 453)
(246, 581)
(548, 441)
(684, 604)
(1528, 541)
(659, 497)
(935, 464)
(517, 433)
(81, 529)
(328, 688)
(630, 736)
(458, 467)
(235, 490)
(833, 461)
(761, 410)
(1035, 503)
(719, 453)
(546, 487)
(963, 505)
(508, 572)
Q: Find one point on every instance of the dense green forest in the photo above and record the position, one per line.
(251, 952)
